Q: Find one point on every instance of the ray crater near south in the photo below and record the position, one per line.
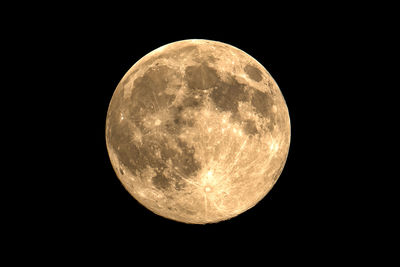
(198, 131)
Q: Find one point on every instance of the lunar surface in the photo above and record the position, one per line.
(198, 131)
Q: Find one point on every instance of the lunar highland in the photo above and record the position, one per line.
(198, 131)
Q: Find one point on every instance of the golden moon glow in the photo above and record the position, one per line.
(198, 131)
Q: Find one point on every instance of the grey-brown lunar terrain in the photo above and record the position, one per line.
(198, 131)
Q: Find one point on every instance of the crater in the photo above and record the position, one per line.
(253, 73)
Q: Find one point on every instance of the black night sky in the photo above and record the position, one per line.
(81, 200)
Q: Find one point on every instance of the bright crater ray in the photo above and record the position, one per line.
(198, 131)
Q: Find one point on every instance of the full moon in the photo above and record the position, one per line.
(198, 131)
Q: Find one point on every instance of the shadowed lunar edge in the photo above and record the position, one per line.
(159, 145)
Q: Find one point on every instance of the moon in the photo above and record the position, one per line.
(198, 131)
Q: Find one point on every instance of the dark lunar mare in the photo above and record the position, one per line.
(201, 77)
(148, 96)
(254, 73)
(249, 127)
(141, 99)
(226, 94)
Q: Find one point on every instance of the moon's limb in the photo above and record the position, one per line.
(198, 131)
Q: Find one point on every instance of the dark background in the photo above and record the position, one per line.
(300, 203)
(79, 199)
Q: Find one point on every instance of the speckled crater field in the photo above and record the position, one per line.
(198, 131)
